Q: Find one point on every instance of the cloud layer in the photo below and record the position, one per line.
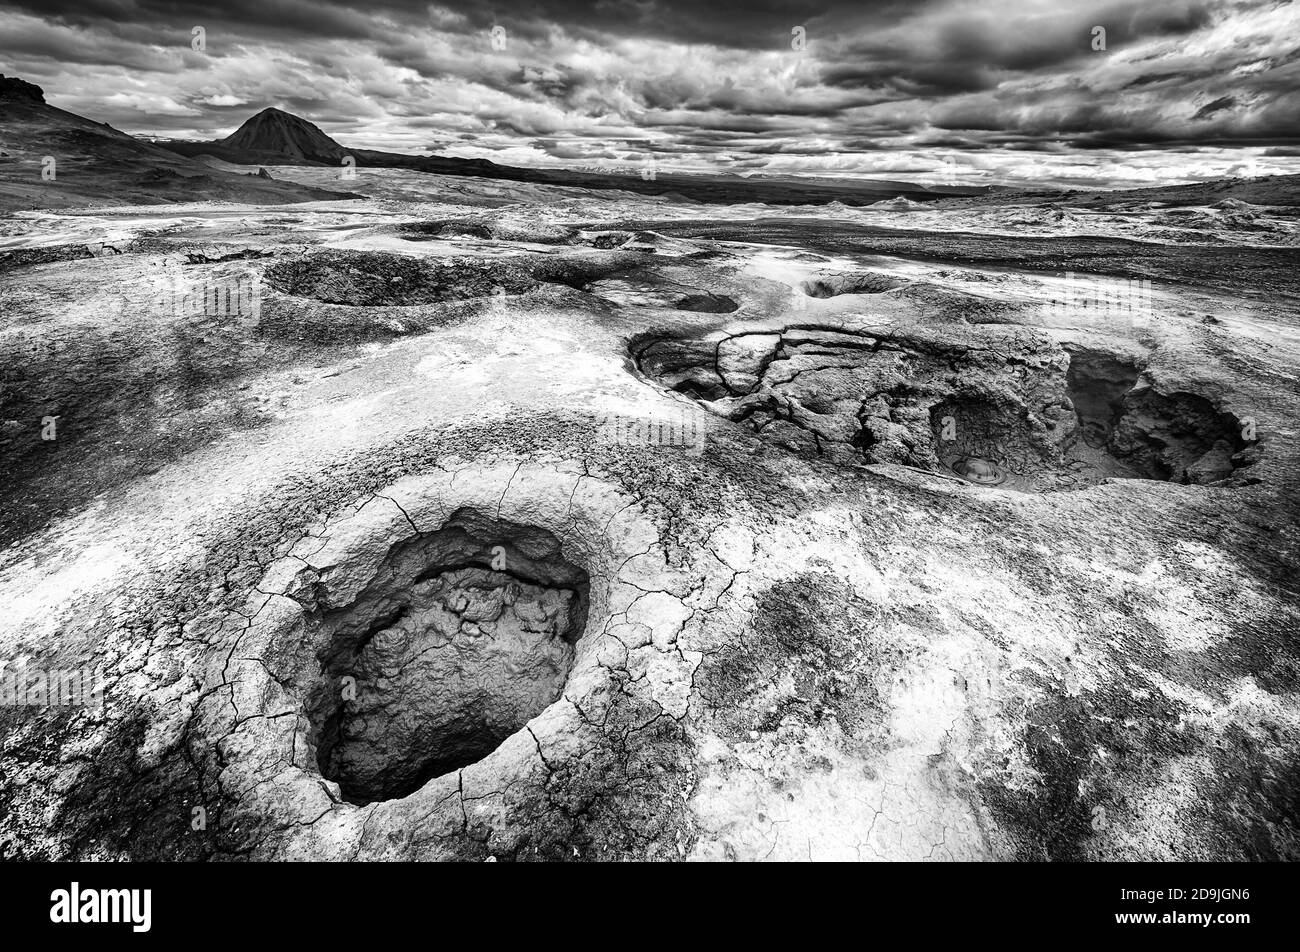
(1013, 91)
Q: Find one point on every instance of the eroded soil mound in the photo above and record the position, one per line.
(370, 278)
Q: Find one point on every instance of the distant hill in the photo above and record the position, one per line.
(284, 134)
(95, 164)
(275, 137)
(1261, 190)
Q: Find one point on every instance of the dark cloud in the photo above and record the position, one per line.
(1210, 108)
(1182, 76)
(707, 84)
(162, 22)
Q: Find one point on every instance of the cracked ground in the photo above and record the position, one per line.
(537, 531)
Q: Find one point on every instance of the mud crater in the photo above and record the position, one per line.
(656, 292)
(833, 284)
(464, 635)
(1016, 411)
(445, 228)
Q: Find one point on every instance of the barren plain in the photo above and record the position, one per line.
(476, 519)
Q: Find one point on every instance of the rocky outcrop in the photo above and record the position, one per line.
(13, 88)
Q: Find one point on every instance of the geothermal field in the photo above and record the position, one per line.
(368, 512)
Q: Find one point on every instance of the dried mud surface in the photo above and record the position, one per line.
(516, 526)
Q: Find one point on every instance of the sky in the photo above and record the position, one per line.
(1010, 92)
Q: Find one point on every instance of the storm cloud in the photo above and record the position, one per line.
(996, 90)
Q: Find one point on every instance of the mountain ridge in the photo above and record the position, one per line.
(95, 164)
(273, 136)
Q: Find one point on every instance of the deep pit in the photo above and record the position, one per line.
(1017, 412)
(464, 635)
